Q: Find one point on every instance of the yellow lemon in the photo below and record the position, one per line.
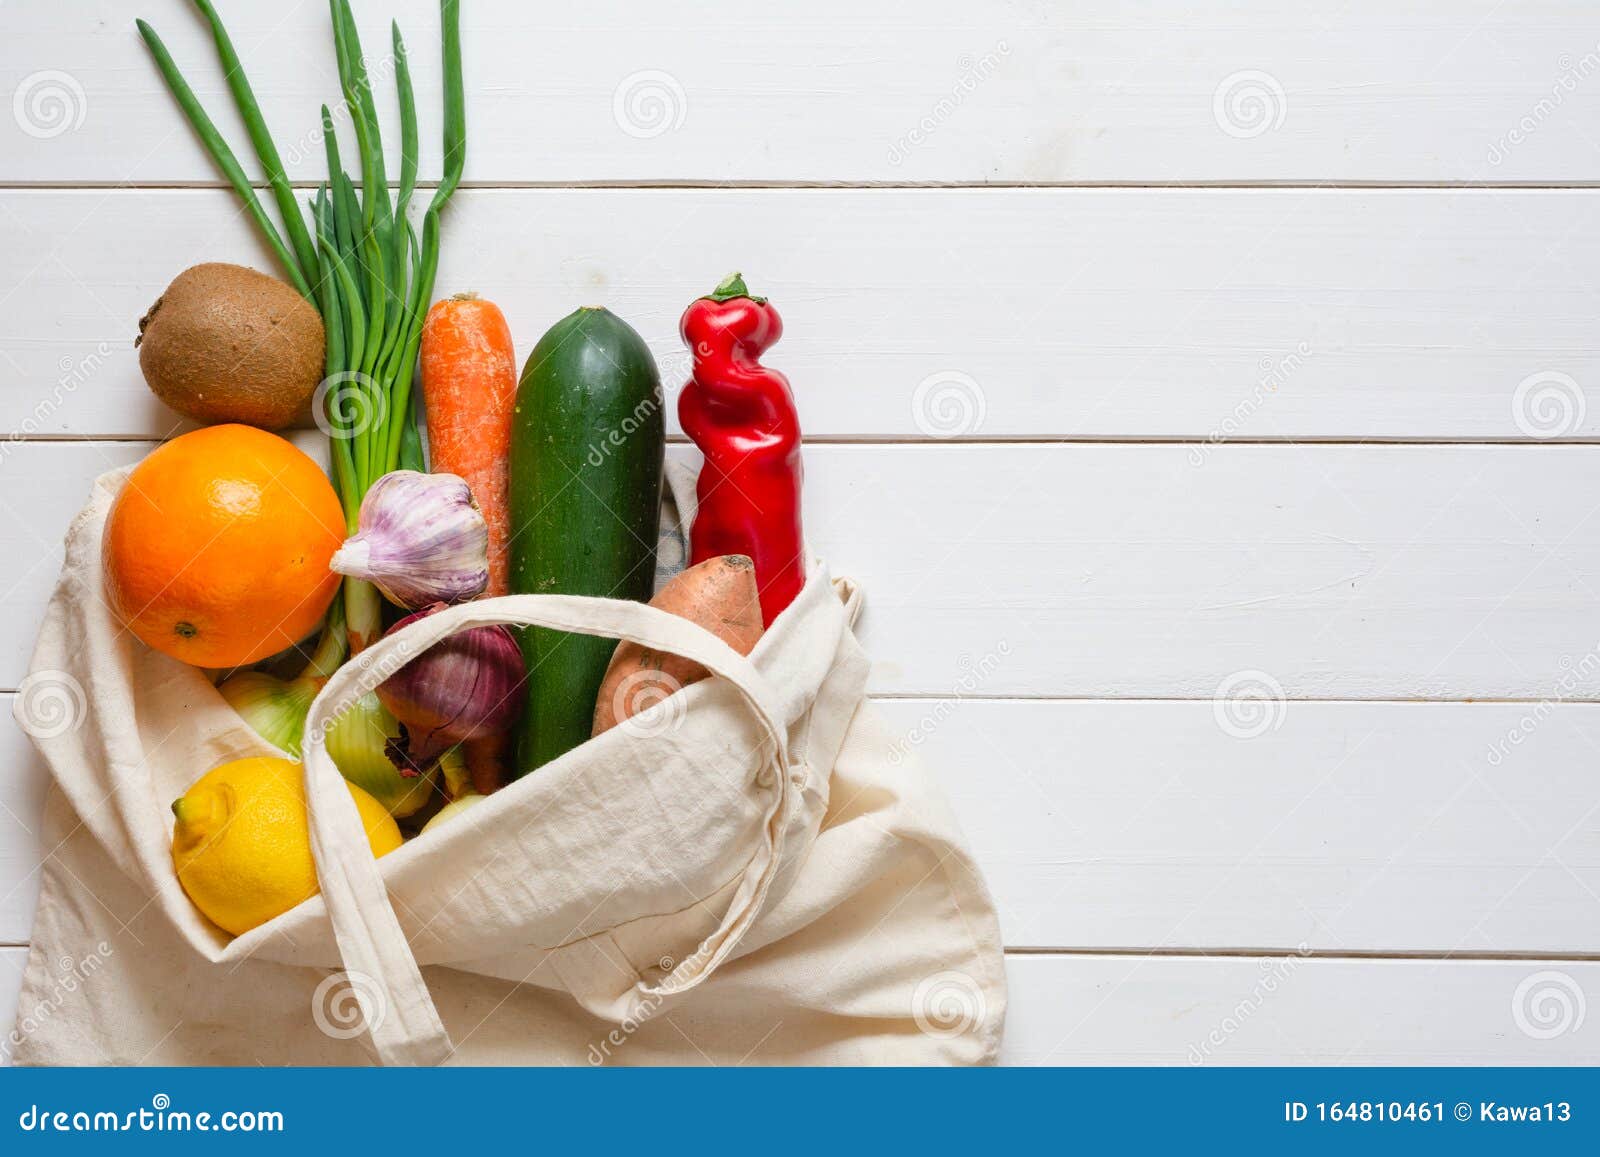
(242, 844)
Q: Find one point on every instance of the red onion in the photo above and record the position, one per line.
(467, 686)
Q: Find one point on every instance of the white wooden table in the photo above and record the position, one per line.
(1154, 356)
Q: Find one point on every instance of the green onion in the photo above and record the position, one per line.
(223, 156)
(255, 124)
(360, 262)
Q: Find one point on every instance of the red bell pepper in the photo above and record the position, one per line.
(742, 416)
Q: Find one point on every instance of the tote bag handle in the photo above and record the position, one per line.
(371, 942)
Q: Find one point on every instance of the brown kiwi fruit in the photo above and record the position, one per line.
(228, 344)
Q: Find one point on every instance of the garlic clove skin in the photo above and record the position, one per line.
(421, 539)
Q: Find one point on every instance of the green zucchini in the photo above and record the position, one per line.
(587, 444)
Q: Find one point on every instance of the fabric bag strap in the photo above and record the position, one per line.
(404, 1024)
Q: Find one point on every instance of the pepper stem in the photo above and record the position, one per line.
(733, 286)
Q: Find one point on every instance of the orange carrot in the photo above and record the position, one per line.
(469, 385)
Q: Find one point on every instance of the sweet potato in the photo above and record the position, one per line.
(720, 595)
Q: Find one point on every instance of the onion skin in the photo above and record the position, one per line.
(451, 810)
(358, 743)
(468, 686)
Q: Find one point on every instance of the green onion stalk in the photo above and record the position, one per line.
(360, 262)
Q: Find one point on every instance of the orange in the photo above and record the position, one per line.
(216, 551)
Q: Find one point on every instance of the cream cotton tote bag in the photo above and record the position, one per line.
(750, 871)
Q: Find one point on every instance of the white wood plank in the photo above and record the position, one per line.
(1352, 827)
(829, 90)
(1389, 827)
(45, 485)
(1125, 571)
(1201, 314)
(1371, 826)
(1071, 1010)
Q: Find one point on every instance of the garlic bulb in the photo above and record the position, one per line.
(421, 540)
